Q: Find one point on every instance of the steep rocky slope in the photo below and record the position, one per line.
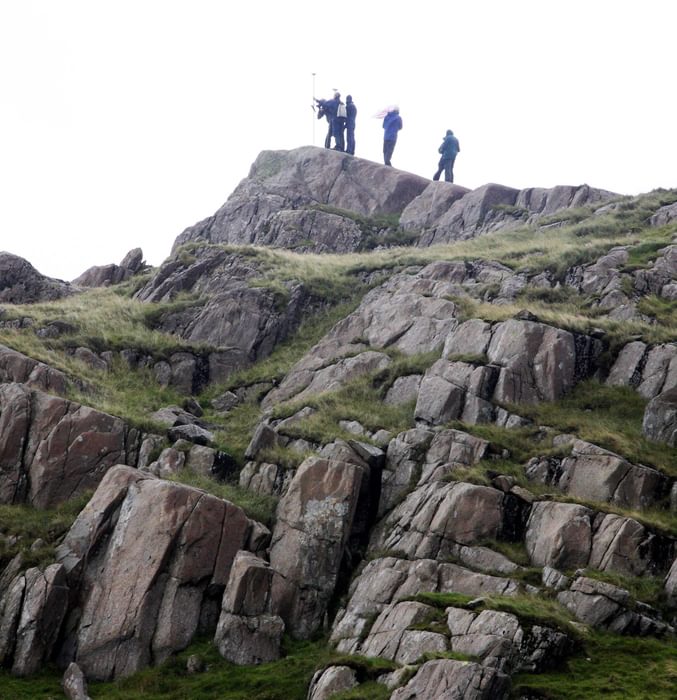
(451, 463)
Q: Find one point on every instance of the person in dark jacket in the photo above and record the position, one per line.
(328, 109)
(351, 116)
(392, 123)
(449, 149)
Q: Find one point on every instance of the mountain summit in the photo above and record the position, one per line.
(367, 434)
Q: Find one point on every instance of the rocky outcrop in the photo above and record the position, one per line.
(74, 683)
(407, 313)
(31, 614)
(390, 637)
(571, 536)
(490, 208)
(53, 449)
(605, 606)
(234, 311)
(248, 631)
(438, 517)
(104, 275)
(21, 283)
(660, 418)
(16, 367)
(329, 681)
(188, 371)
(659, 278)
(146, 560)
(526, 362)
(664, 215)
(447, 679)
(389, 580)
(277, 203)
(616, 289)
(650, 370)
(500, 641)
(314, 521)
(593, 473)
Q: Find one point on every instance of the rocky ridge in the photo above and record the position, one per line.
(450, 515)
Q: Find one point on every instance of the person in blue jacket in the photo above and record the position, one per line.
(392, 123)
(449, 149)
(351, 116)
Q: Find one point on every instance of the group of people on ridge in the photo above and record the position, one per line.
(341, 119)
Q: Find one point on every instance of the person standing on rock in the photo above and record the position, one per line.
(392, 123)
(340, 124)
(449, 149)
(328, 109)
(351, 116)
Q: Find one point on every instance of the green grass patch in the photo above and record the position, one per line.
(515, 551)
(28, 524)
(609, 666)
(358, 401)
(641, 255)
(257, 506)
(647, 589)
(402, 366)
(371, 690)
(45, 685)
(529, 609)
(608, 416)
(274, 367)
(663, 310)
(286, 679)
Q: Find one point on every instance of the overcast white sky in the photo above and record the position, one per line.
(122, 122)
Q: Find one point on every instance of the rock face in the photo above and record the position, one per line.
(235, 312)
(53, 448)
(447, 679)
(407, 313)
(500, 641)
(437, 517)
(21, 283)
(16, 367)
(431, 455)
(650, 370)
(104, 275)
(74, 683)
(527, 362)
(604, 606)
(277, 203)
(571, 536)
(163, 549)
(31, 617)
(489, 208)
(591, 472)
(330, 681)
(314, 521)
(660, 418)
(389, 580)
(248, 631)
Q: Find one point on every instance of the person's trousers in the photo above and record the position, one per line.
(446, 164)
(388, 148)
(350, 140)
(339, 133)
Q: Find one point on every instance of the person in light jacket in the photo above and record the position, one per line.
(449, 149)
(392, 123)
